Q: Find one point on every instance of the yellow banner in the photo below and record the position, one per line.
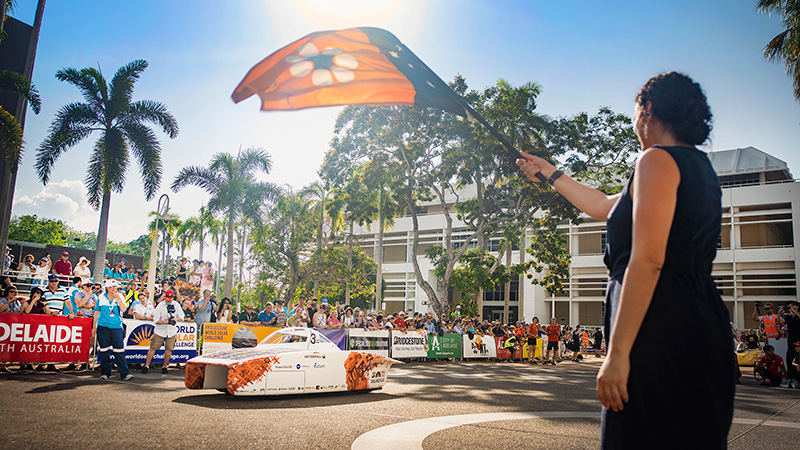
(225, 336)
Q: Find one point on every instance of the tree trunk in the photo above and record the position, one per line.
(319, 245)
(349, 265)
(507, 293)
(102, 240)
(242, 238)
(220, 240)
(521, 288)
(202, 243)
(379, 255)
(229, 269)
(479, 300)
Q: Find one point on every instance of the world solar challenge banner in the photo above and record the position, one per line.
(225, 336)
(138, 334)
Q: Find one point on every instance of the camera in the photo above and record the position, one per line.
(171, 311)
(759, 304)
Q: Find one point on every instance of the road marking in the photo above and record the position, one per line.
(410, 434)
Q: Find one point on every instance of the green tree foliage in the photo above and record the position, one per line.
(30, 228)
(124, 131)
(430, 157)
(596, 149)
(330, 267)
(284, 239)
(39, 230)
(786, 45)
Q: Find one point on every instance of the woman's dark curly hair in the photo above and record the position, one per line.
(680, 104)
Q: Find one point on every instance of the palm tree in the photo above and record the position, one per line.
(320, 196)
(786, 45)
(123, 126)
(205, 222)
(187, 232)
(234, 190)
(169, 228)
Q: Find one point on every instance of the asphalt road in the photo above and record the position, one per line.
(431, 405)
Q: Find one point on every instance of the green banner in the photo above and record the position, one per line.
(444, 346)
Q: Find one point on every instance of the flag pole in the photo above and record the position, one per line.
(498, 136)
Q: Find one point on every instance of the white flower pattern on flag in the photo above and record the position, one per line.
(323, 66)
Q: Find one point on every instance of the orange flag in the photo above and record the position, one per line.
(364, 66)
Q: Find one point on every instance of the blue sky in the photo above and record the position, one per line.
(585, 54)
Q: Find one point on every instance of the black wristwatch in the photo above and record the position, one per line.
(554, 177)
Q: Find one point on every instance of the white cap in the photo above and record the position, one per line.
(110, 283)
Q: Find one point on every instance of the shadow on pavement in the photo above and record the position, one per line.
(224, 401)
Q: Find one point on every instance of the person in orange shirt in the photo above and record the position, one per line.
(770, 321)
(553, 331)
(533, 335)
(584, 341)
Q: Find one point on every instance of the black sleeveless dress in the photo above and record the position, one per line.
(682, 377)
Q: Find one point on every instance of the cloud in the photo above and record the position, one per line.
(64, 200)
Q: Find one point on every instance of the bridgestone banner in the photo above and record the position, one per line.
(479, 346)
(37, 338)
(138, 334)
(376, 342)
(409, 344)
(444, 346)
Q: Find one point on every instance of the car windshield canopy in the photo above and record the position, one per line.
(295, 336)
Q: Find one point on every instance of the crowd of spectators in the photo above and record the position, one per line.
(59, 288)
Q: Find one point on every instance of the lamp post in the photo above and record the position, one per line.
(151, 277)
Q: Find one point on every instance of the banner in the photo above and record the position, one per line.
(444, 346)
(538, 350)
(138, 334)
(337, 335)
(409, 344)
(38, 338)
(376, 342)
(503, 352)
(479, 346)
(225, 336)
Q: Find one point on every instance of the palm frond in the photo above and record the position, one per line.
(224, 162)
(121, 91)
(115, 159)
(84, 80)
(153, 112)
(94, 178)
(53, 146)
(202, 177)
(254, 158)
(147, 151)
(10, 139)
(18, 84)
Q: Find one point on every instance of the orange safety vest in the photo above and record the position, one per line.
(585, 338)
(770, 325)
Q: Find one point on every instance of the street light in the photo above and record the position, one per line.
(161, 211)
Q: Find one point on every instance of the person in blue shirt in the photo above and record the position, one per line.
(268, 318)
(429, 325)
(107, 326)
(70, 305)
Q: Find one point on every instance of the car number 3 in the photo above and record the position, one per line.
(313, 338)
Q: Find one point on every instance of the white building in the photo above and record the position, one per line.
(757, 259)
